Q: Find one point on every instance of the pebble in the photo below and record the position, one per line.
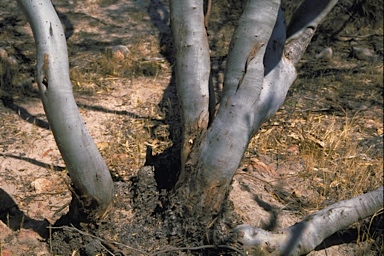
(28, 237)
(42, 185)
(325, 54)
(12, 61)
(363, 53)
(117, 52)
(3, 54)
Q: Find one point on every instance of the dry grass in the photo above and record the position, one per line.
(126, 150)
(143, 60)
(335, 121)
(331, 124)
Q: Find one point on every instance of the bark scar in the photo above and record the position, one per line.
(251, 56)
(45, 69)
(50, 29)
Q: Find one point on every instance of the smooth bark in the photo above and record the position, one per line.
(305, 236)
(84, 163)
(303, 25)
(192, 67)
(251, 94)
(260, 70)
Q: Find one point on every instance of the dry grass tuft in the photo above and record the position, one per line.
(334, 120)
(330, 130)
(334, 162)
(142, 61)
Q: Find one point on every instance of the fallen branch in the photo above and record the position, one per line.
(303, 237)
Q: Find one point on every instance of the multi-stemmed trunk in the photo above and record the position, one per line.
(260, 69)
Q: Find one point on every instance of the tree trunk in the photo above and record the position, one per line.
(260, 70)
(192, 68)
(249, 98)
(87, 169)
(257, 78)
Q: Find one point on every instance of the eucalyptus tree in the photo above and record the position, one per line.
(260, 69)
(90, 176)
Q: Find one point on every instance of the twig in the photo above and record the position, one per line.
(253, 177)
(207, 14)
(198, 248)
(60, 209)
(72, 228)
(314, 110)
(363, 156)
(105, 248)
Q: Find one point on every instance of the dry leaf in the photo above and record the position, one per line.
(46, 152)
(102, 145)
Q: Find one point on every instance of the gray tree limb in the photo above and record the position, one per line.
(303, 26)
(192, 69)
(242, 109)
(305, 236)
(84, 163)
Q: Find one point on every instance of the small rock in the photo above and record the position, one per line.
(12, 61)
(293, 150)
(118, 52)
(297, 193)
(363, 53)
(325, 54)
(117, 55)
(120, 157)
(28, 237)
(102, 145)
(3, 54)
(42, 185)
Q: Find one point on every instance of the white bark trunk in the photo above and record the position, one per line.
(305, 236)
(84, 163)
(192, 69)
(250, 95)
(303, 26)
(257, 79)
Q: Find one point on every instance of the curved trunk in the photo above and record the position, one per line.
(84, 163)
